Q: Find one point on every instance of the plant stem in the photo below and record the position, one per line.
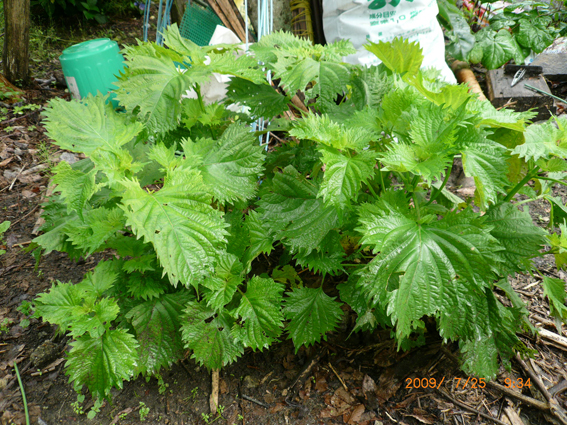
(517, 188)
(383, 188)
(23, 393)
(372, 190)
(436, 192)
(199, 97)
(416, 204)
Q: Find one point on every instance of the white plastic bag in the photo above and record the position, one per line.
(384, 20)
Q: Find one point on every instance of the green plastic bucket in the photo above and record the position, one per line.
(91, 67)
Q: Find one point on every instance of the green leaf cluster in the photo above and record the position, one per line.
(222, 246)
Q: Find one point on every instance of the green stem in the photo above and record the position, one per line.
(200, 97)
(372, 190)
(23, 393)
(436, 192)
(416, 204)
(517, 188)
(414, 183)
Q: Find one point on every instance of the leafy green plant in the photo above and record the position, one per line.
(144, 411)
(508, 36)
(5, 325)
(89, 9)
(188, 202)
(4, 226)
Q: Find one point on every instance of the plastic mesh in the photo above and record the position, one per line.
(198, 24)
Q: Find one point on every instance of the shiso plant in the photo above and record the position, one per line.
(184, 200)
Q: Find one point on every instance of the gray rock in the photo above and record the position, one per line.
(44, 354)
(69, 157)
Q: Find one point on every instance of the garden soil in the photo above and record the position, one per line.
(348, 379)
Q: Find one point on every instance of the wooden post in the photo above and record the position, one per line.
(15, 58)
(177, 11)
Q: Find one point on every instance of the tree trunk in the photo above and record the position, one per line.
(15, 57)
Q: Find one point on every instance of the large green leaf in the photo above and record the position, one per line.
(321, 129)
(399, 55)
(515, 231)
(544, 140)
(311, 313)
(102, 363)
(157, 324)
(231, 165)
(75, 186)
(498, 48)
(485, 160)
(262, 99)
(99, 225)
(178, 220)
(88, 125)
(228, 276)
(417, 263)
(344, 174)
(58, 305)
(208, 335)
(261, 319)
(293, 211)
(535, 34)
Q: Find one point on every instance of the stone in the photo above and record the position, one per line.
(44, 354)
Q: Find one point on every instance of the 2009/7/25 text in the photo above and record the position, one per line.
(460, 383)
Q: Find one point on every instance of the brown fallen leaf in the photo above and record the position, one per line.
(277, 407)
(356, 414)
(321, 384)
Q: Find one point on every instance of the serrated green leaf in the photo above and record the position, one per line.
(515, 231)
(231, 166)
(144, 263)
(399, 55)
(99, 225)
(209, 336)
(76, 187)
(228, 276)
(311, 313)
(427, 258)
(321, 129)
(485, 160)
(261, 238)
(262, 99)
(57, 305)
(88, 125)
(495, 337)
(94, 317)
(179, 221)
(544, 140)
(145, 286)
(292, 210)
(344, 175)
(102, 363)
(327, 258)
(261, 319)
(157, 324)
(102, 278)
(154, 83)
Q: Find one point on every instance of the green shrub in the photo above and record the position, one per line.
(187, 200)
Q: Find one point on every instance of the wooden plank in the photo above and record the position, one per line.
(518, 97)
(232, 17)
(220, 13)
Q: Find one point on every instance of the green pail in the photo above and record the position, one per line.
(91, 67)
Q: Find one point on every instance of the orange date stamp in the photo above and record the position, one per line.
(459, 383)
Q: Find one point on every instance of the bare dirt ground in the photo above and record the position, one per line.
(356, 379)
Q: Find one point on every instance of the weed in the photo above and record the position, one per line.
(162, 386)
(5, 325)
(95, 409)
(77, 408)
(144, 411)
